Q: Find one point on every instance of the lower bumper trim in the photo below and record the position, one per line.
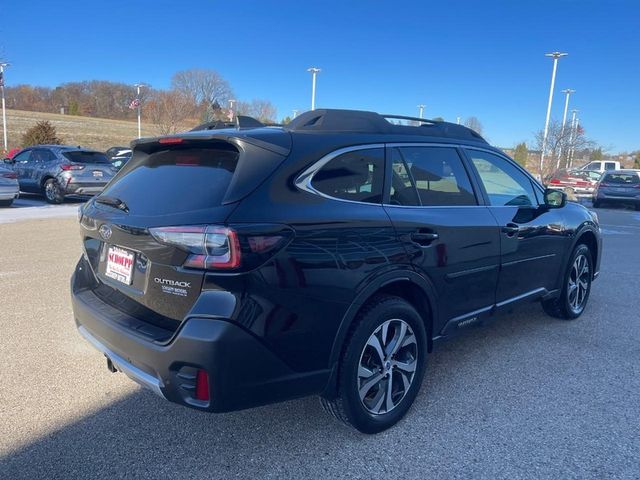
(134, 373)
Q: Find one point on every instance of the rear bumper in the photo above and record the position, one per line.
(84, 188)
(616, 198)
(9, 192)
(242, 371)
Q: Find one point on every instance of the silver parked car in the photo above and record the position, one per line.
(9, 188)
(618, 187)
(59, 170)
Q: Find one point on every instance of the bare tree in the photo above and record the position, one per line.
(262, 110)
(474, 124)
(561, 146)
(206, 88)
(169, 110)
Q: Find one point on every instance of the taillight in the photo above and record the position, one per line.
(71, 166)
(555, 181)
(240, 248)
(210, 247)
(9, 175)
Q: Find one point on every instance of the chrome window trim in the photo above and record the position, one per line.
(303, 180)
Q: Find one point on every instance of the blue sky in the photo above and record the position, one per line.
(484, 59)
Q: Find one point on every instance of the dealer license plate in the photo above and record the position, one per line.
(120, 264)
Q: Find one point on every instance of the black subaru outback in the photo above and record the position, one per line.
(235, 267)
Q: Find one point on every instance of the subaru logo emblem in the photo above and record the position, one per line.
(105, 232)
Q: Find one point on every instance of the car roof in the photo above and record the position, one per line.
(66, 148)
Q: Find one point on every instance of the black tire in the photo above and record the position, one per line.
(52, 193)
(348, 406)
(638, 207)
(596, 204)
(6, 203)
(566, 305)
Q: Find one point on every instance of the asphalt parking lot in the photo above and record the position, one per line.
(525, 397)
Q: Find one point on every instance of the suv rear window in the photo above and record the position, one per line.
(175, 181)
(79, 156)
(622, 178)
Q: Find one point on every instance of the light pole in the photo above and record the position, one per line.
(568, 93)
(4, 114)
(138, 87)
(295, 113)
(555, 56)
(420, 110)
(458, 120)
(572, 137)
(314, 71)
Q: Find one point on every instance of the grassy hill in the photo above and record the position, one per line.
(98, 133)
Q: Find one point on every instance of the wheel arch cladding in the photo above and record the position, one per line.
(409, 286)
(588, 237)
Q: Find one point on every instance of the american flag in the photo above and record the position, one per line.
(135, 103)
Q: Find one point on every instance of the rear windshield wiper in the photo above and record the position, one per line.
(113, 202)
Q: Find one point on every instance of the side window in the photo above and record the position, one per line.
(430, 176)
(39, 155)
(355, 176)
(504, 182)
(22, 157)
(609, 166)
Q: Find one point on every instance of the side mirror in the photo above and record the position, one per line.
(10, 161)
(554, 198)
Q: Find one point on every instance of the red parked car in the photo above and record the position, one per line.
(581, 183)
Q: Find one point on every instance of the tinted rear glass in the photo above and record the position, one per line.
(79, 156)
(176, 181)
(622, 178)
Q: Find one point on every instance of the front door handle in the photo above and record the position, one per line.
(511, 229)
(424, 239)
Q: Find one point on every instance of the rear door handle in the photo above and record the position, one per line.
(424, 238)
(511, 229)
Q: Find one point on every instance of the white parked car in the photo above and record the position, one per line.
(9, 188)
(601, 166)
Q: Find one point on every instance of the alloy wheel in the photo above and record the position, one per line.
(387, 366)
(579, 280)
(51, 191)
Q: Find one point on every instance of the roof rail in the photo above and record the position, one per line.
(241, 121)
(352, 121)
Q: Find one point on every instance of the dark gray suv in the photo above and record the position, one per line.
(59, 170)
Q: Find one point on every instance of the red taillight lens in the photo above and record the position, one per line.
(170, 140)
(555, 181)
(9, 175)
(210, 247)
(71, 166)
(202, 386)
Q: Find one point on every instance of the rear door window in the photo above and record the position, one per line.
(79, 156)
(176, 181)
(429, 176)
(609, 166)
(356, 176)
